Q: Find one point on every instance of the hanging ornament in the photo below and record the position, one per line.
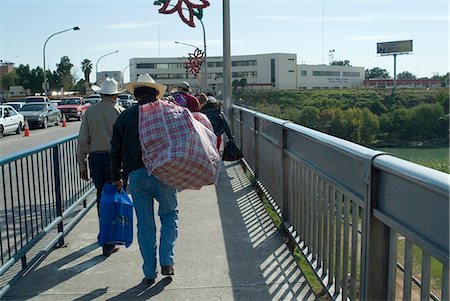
(186, 9)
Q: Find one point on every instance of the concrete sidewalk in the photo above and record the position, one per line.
(228, 249)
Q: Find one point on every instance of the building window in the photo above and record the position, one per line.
(272, 71)
(350, 74)
(215, 64)
(244, 74)
(291, 70)
(169, 76)
(145, 66)
(303, 72)
(290, 59)
(243, 63)
(326, 73)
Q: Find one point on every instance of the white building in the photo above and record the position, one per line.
(117, 75)
(262, 71)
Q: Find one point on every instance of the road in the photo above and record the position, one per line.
(13, 143)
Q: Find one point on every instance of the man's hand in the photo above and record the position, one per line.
(84, 175)
(119, 184)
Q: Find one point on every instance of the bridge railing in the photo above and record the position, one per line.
(42, 199)
(372, 226)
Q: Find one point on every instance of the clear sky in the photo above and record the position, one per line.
(308, 28)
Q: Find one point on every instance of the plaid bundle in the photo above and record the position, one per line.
(176, 148)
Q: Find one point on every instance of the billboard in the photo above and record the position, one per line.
(386, 48)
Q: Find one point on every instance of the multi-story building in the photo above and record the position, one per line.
(117, 75)
(261, 71)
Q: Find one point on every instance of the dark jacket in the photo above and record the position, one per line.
(217, 119)
(125, 145)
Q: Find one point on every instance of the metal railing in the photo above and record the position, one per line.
(372, 226)
(42, 196)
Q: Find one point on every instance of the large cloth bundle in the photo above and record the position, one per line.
(116, 217)
(176, 148)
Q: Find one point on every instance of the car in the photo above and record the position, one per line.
(15, 104)
(93, 99)
(126, 100)
(29, 99)
(73, 107)
(41, 114)
(10, 120)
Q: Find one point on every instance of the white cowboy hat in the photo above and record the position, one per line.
(145, 80)
(109, 87)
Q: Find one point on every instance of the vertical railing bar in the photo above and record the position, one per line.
(303, 201)
(314, 217)
(12, 211)
(307, 219)
(325, 242)
(42, 188)
(392, 264)
(445, 282)
(331, 250)
(47, 198)
(407, 279)
(320, 221)
(338, 239)
(354, 251)
(310, 202)
(18, 198)
(5, 212)
(63, 177)
(345, 248)
(33, 173)
(37, 191)
(28, 163)
(425, 280)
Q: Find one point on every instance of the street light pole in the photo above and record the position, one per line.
(96, 64)
(45, 44)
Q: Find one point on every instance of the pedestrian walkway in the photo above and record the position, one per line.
(228, 249)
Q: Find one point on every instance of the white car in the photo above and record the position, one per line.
(10, 120)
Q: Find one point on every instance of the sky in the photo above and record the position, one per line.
(310, 29)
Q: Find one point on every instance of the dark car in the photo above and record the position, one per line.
(41, 114)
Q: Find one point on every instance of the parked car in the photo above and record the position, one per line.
(15, 104)
(93, 99)
(126, 100)
(41, 114)
(36, 99)
(73, 107)
(10, 120)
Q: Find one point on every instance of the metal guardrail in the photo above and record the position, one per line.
(372, 226)
(41, 194)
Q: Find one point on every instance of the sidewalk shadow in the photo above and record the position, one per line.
(51, 275)
(260, 264)
(141, 291)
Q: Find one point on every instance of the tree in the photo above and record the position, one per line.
(243, 82)
(377, 72)
(63, 69)
(235, 84)
(340, 63)
(406, 75)
(86, 67)
(7, 80)
(442, 78)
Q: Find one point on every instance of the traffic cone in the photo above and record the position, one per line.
(64, 122)
(26, 132)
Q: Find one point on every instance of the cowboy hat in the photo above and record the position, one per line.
(145, 80)
(109, 87)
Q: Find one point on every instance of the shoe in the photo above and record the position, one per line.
(167, 270)
(149, 281)
(108, 251)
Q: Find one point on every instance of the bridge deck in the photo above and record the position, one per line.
(228, 249)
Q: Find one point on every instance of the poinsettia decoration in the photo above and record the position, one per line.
(186, 9)
(195, 61)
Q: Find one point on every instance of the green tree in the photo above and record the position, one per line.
(406, 75)
(235, 84)
(340, 63)
(7, 80)
(243, 82)
(377, 72)
(81, 86)
(310, 117)
(424, 121)
(64, 70)
(86, 67)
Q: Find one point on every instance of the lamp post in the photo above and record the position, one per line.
(96, 64)
(45, 44)
(123, 72)
(205, 72)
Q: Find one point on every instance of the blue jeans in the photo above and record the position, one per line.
(145, 189)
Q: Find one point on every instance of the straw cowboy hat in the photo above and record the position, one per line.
(145, 80)
(109, 87)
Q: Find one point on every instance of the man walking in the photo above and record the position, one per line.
(94, 140)
(145, 188)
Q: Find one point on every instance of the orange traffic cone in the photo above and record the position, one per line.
(64, 122)
(26, 132)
